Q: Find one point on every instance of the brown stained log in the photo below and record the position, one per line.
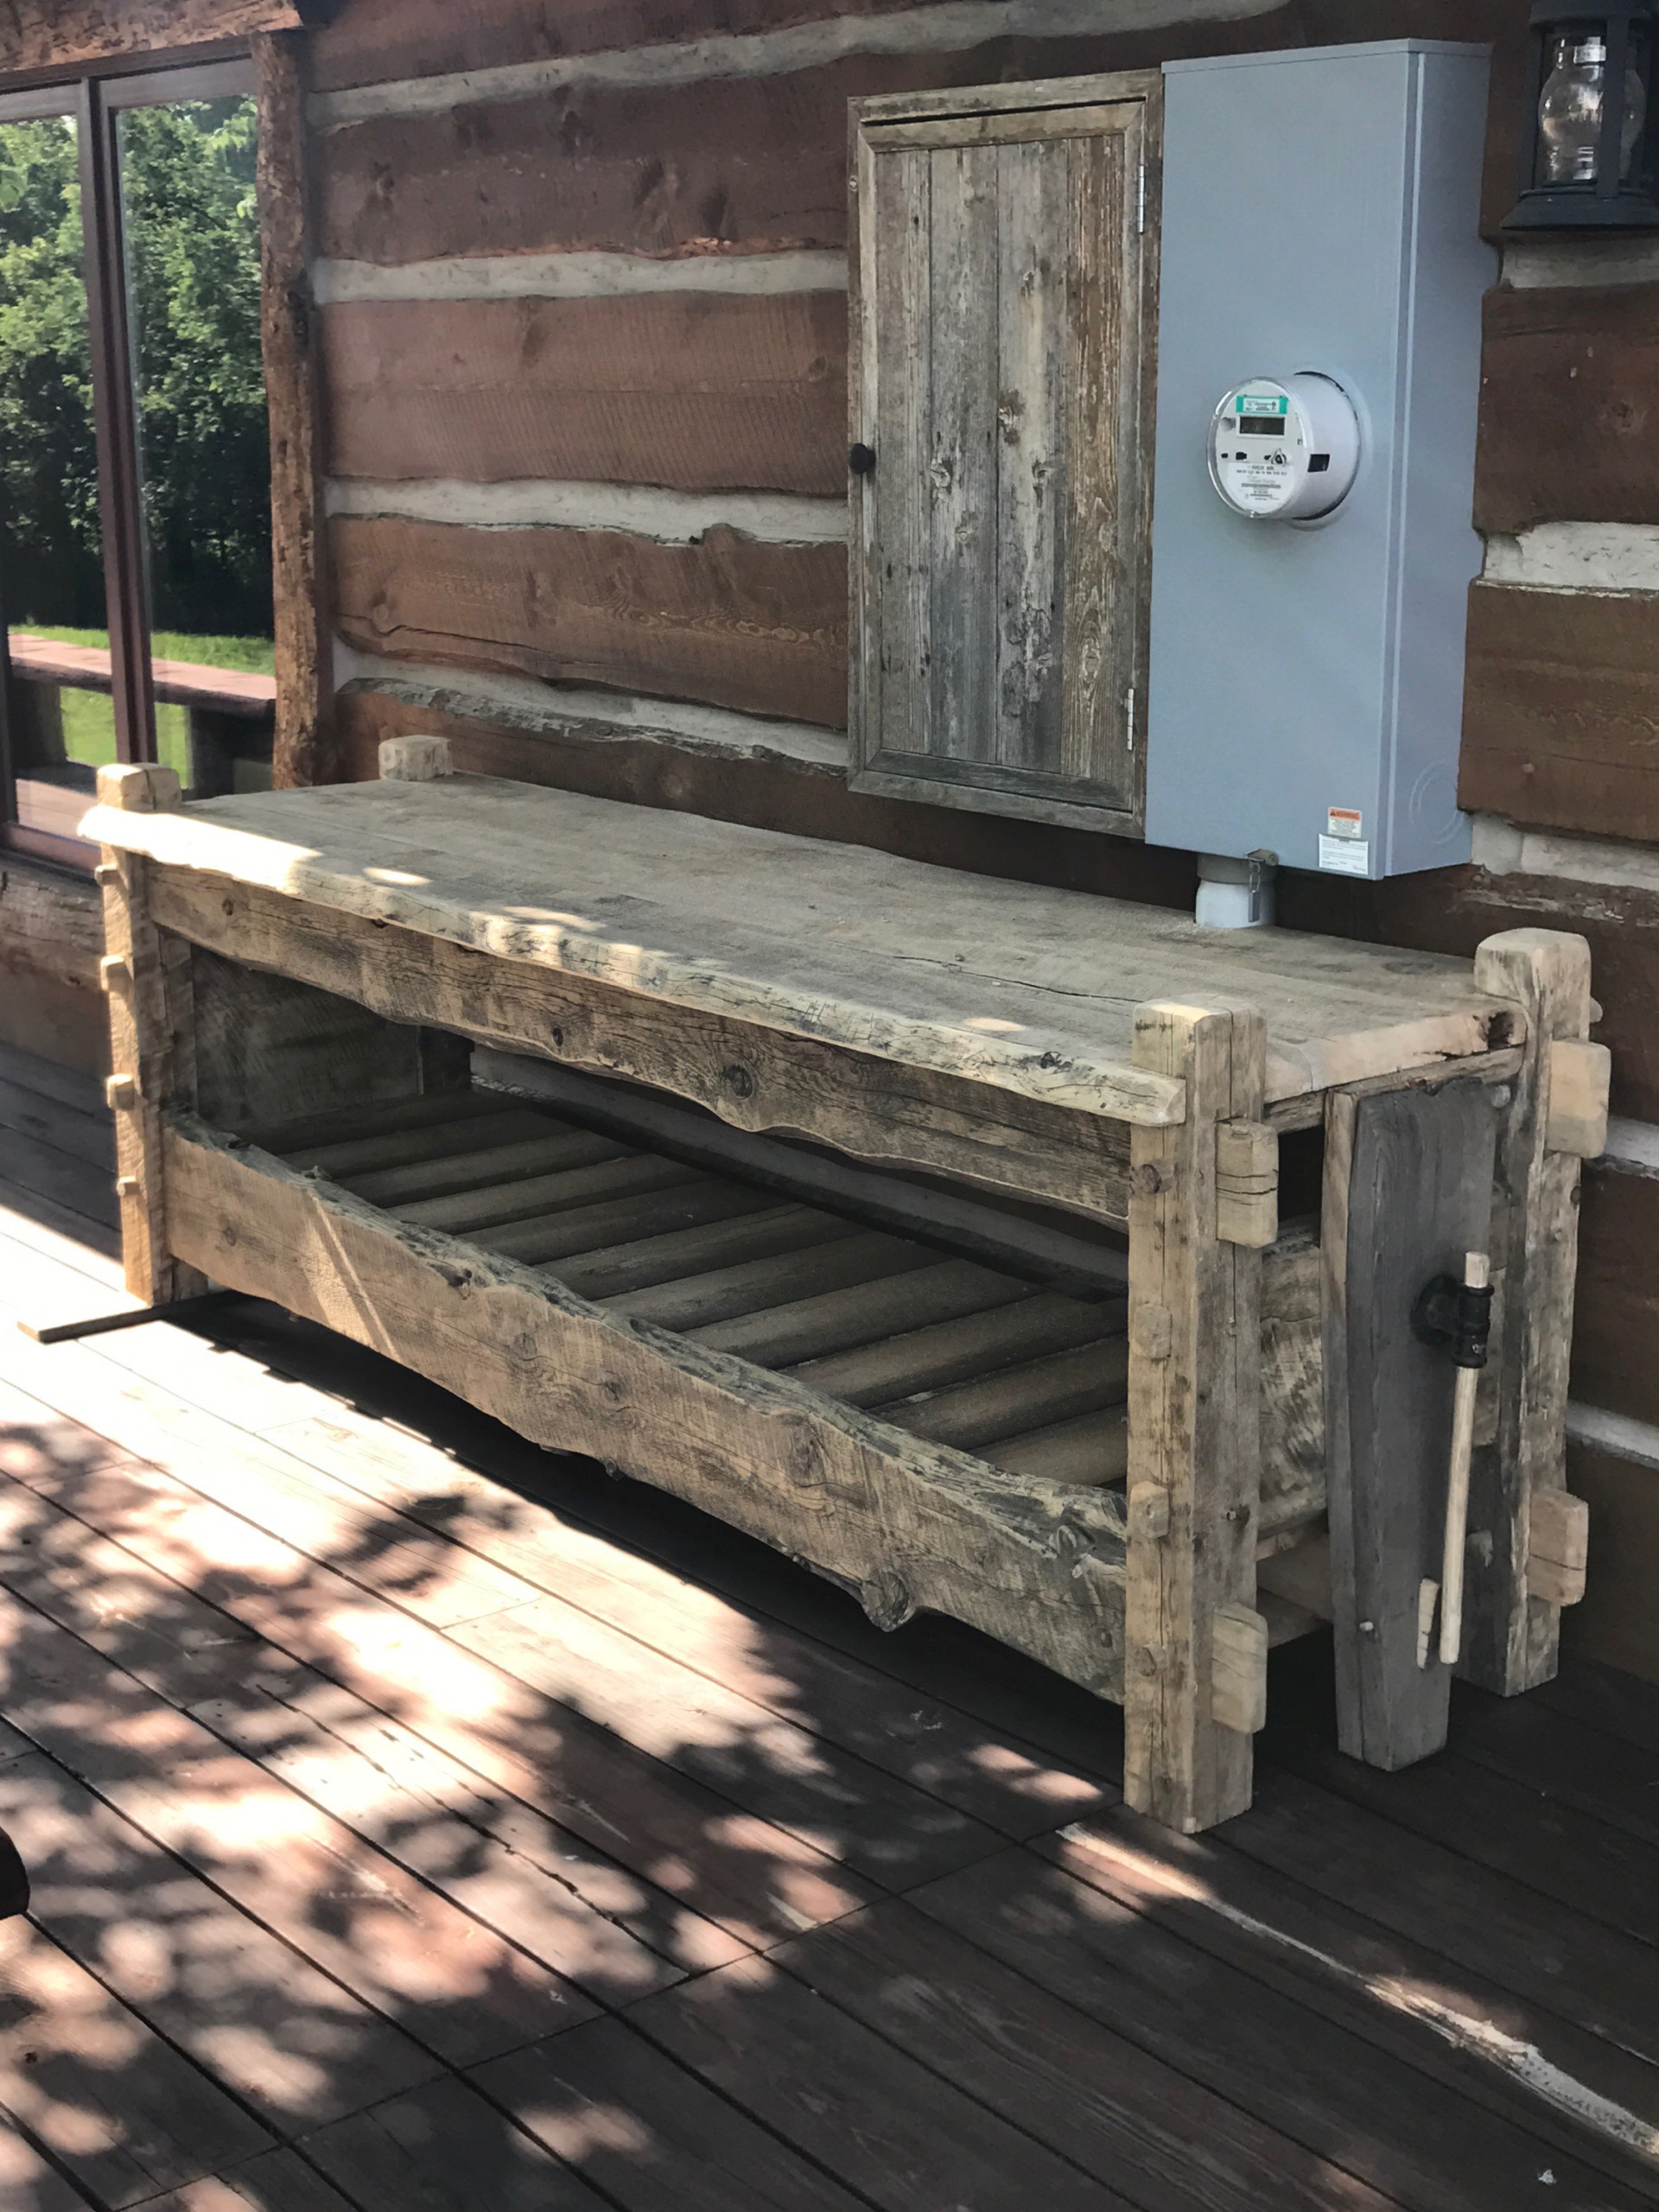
(1560, 725)
(1451, 910)
(1618, 1622)
(52, 34)
(768, 792)
(370, 40)
(51, 925)
(696, 390)
(1569, 419)
(1616, 1319)
(909, 1524)
(288, 338)
(725, 618)
(721, 164)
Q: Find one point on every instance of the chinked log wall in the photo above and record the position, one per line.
(583, 344)
(579, 274)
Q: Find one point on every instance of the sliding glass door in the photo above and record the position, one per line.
(135, 482)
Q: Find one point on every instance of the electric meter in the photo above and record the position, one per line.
(1285, 452)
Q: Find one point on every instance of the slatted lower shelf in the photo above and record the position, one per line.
(946, 1349)
(931, 1432)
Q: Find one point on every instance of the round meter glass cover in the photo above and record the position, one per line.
(1284, 452)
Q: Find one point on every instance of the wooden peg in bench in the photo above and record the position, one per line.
(1247, 1184)
(1558, 1547)
(1579, 1075)
(140, 787)
(414, 759)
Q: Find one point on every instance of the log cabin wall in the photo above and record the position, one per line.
(574, 301)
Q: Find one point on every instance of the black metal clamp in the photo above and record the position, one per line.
(1454, 1317)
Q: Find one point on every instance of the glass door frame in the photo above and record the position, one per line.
(96, 100)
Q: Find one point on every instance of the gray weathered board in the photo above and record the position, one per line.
(1409, 1172)
(1000, 331)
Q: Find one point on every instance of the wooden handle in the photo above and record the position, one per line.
(1477, 1273)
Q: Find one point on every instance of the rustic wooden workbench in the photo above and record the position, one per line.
(1058, 1368)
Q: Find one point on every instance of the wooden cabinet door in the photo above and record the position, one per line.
(1002, 334)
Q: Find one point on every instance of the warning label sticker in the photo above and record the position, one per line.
(1345, 855)
(1343, 822)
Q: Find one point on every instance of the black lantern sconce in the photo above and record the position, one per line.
(1587, 151)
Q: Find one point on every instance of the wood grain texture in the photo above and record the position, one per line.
(722, 165)
(760, 627)
(1005, 985)
(1618, 1623)
(696, 390)
(1616, 1311)
(998, 302)
(371, 41)
(288, 332)
(1510, 1640)
(1560, 725)
(1194, 1424)
(51, 924)
(869, 1107)
(1407, 1193)
(912, 1525)
(52, 33)
(1569, 429)
(766, 792)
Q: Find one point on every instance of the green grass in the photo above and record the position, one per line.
(89, 718)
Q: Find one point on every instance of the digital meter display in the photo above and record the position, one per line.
(1261, 426)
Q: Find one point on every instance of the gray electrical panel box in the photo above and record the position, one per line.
(1320, 227)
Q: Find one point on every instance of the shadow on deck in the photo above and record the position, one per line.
(421, 1823)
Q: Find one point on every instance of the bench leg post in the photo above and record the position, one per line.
(1195, 1648)
(151, 1042)
(1511, 1636)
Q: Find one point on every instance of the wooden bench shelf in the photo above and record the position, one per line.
(956, 1269)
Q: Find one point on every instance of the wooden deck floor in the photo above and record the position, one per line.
(422, 1823)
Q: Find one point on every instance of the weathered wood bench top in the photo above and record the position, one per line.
(1029, 989)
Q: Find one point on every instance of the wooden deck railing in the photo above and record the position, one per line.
(231, 717)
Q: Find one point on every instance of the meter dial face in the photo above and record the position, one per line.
(1284, 452)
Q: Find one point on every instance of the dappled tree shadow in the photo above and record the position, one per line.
(378, 1870)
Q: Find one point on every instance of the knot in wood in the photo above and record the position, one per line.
(738, 1080)
(885, 1598)
(1149, 1178)
(1150, 1660)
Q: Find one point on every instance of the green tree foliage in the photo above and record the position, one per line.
(191, 232)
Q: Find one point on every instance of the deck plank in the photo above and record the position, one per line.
(1429, 2004)
(282, 2036)
(652, 2135)
(848, 1704)
(117, 2107)
(404, 1950)
(277, 2180)
(750, 1879)
(444, 2150)
(356, 1764)
(1379, 2115)
(886, 2124)
(1089, 2031)
(626, 1655)
(1133, 2120)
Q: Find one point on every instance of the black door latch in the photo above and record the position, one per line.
(1454, 1317)
(861, 459)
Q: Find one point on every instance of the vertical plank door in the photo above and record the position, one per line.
(999, 587)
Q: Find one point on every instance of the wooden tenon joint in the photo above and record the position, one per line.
(1247, 1184)
(1558, 1547)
